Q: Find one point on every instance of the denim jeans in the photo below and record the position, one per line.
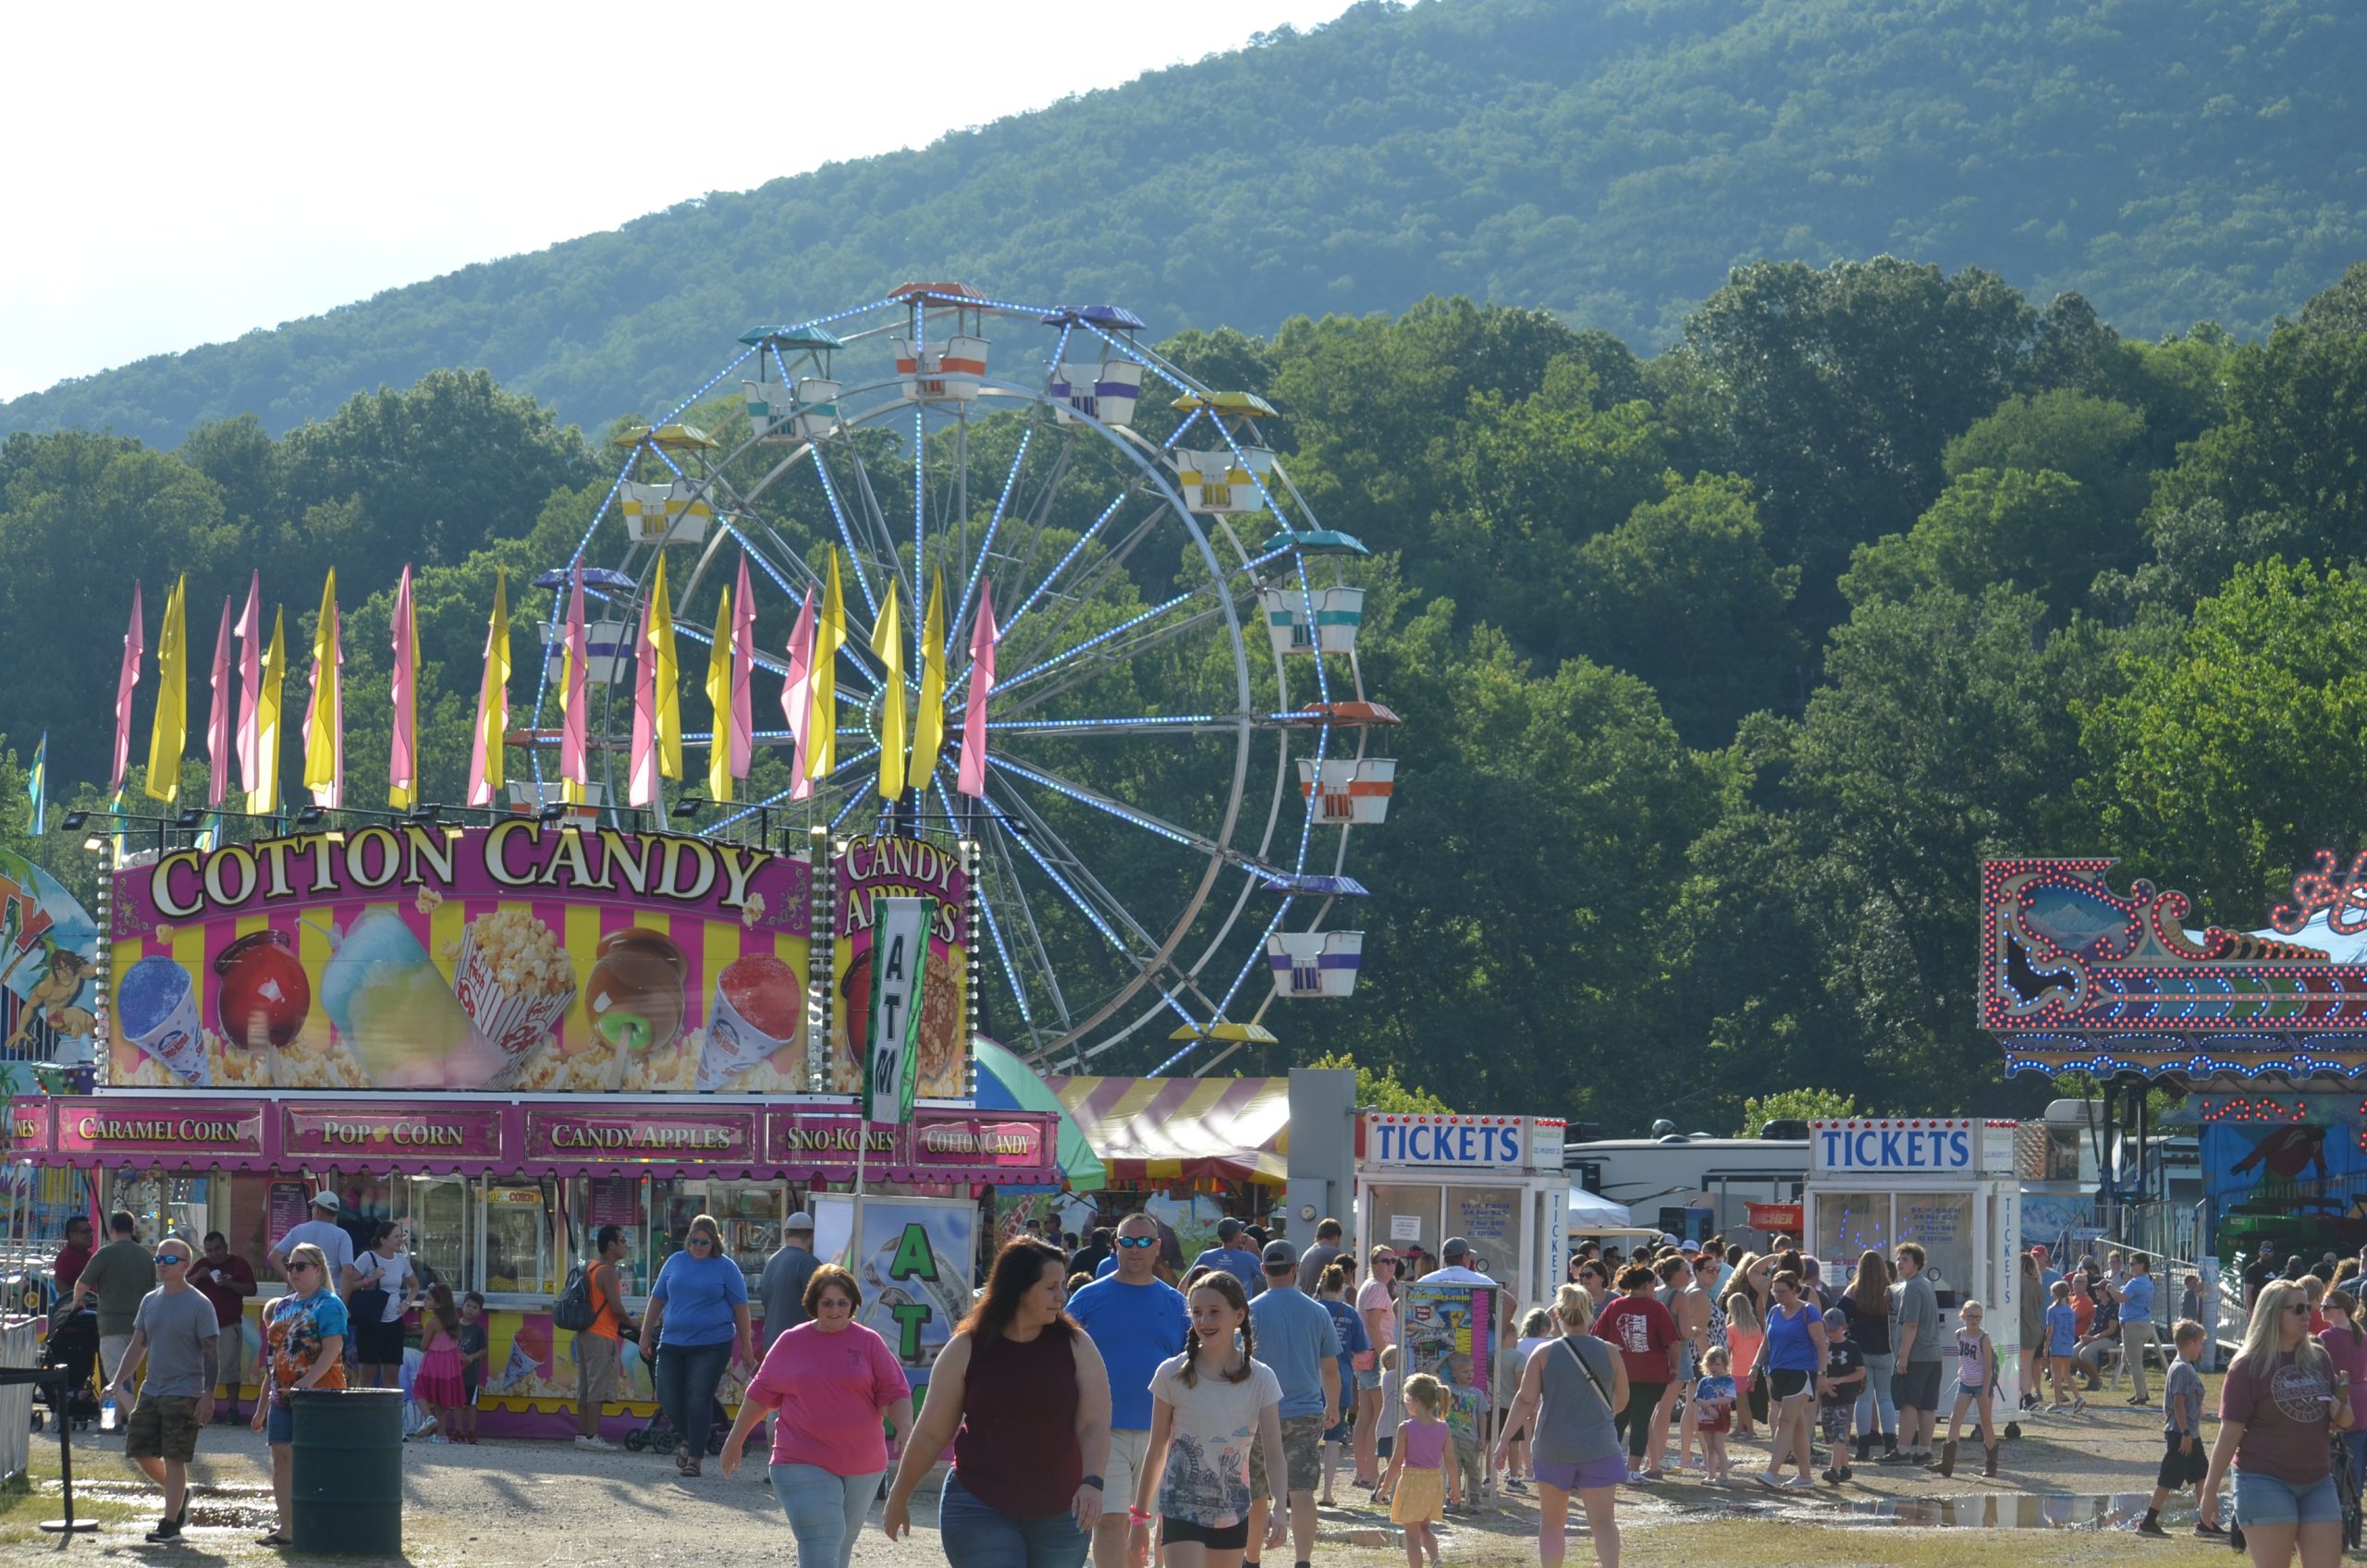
(687, 1376)
(975, 1536)
(825, 1512)
(1876, 1399)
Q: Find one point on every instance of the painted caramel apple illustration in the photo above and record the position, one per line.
(263, 995)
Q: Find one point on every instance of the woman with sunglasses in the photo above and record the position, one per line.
(2282, 1401)
(303, 1334)
(698, 1324)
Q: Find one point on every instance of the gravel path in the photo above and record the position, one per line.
(506, 1505)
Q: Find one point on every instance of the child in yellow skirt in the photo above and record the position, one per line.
(1417, 1469)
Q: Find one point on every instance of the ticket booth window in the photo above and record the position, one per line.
(1941, 1223)
(518, 1254)
(1408, 1214)
(1850, 1224)
(1490, 1219)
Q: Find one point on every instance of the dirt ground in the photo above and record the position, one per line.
(513, 1504)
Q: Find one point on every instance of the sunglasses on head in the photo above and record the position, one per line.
(1138, 1241)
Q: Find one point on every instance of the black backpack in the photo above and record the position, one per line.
(574, 1311)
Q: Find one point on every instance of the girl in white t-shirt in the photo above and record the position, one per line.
(1207, 1407)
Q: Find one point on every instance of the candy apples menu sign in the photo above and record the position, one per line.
(523, 956)
(870, 870)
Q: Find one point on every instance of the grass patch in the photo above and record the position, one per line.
(27, 1500)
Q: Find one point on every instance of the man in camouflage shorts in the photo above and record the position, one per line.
(1295, 1337)
(176, 1333)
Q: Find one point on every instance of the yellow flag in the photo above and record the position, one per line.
(325, 723)
(822, 709)
(719, 697)
(165, 741)
(887, 642)
(264, 799)
(668, 725)
(488, 749)
(928, 721)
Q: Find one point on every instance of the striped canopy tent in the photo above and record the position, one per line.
(1190, 1129)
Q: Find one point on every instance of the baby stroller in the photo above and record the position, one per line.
(73, 1343)
(660, 1435)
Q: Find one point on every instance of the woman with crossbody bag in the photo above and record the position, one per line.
(1571, 1393)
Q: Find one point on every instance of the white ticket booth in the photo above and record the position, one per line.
(1495, 1181)
(1947, 1183)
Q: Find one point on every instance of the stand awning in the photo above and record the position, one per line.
(1165, 1128)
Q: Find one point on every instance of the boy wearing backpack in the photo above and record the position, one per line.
(593, 1307)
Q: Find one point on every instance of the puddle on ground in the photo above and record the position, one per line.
(1978, 1511)
(210, 1507)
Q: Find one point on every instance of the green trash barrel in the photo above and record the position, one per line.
(346, 1453)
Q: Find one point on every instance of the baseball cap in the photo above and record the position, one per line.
(1688, 1245)
(1278, 1255)
(801, 1221)
(1227, 1228)
(327, 1199)
(1454, 1247)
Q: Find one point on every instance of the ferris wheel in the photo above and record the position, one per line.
(1180, 743)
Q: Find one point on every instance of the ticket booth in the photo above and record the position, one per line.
(1946, 1182)
(1495, 1181)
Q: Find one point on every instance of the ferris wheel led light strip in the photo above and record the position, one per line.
(1155, 610)
(1026, 842)
(977, 567)
(846, 534)
(994, 929)
(1124, 814)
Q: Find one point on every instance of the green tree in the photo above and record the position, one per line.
(2040, 532)
(1381, 1090)
(1794, 1105)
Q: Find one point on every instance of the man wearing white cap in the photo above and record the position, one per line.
(322, 1231)
(786, 1274)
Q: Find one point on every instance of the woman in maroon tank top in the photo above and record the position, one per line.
(1030, 1398)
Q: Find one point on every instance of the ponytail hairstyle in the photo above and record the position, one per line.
(1426, 1393)
(1225, 1285)
(441, 1303)
(1574, 1305)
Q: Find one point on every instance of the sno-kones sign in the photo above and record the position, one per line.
(523, 956)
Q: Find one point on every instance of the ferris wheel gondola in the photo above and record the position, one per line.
(1179, 745)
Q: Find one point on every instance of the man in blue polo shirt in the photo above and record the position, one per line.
(1229, 1255)
(2137, 1321)
(1136, 1320)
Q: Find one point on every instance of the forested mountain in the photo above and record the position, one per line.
(1607, 160)
(1722, 669)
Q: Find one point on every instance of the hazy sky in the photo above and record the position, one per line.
(204, 171)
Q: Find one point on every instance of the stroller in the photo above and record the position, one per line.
(660, 1435)
(73, 1343)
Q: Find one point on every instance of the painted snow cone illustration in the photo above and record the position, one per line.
(758, 1010)
(157, 1005)
(394, 1010)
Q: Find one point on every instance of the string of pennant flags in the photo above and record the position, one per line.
(244, 719)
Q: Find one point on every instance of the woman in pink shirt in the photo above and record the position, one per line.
(832, 1379)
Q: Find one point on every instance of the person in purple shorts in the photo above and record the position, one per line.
(1570, 1392)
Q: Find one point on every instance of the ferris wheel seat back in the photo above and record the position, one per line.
(1223, 480)
(952, 371)
(608, 650)
(674, 513)
(1315, 963)
(775, 413)
(1339, 613)
(1355, 790)
(1107, 390)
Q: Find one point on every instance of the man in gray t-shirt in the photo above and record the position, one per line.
(786, 1273)
(1918, 1347)
(175, 1330)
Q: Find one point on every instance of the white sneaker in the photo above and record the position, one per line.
(1771, 1480)
(438, 1438)
(583, 1441)
(1799, 1484)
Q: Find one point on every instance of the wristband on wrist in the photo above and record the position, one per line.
(1092, 1481)
(1136, 1516)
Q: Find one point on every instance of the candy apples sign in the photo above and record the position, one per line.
(870, 873)
(524, 956)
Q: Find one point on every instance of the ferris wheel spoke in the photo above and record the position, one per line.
(1089, 584)
(1110, 656)
(1082, 887)
(999, 841)
(1176, 724)
(970, 568)
(846, 533)
(1134, 815)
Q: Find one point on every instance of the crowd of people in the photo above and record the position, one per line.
(1100, 1397)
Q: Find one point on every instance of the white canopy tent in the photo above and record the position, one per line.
(1588, 1212)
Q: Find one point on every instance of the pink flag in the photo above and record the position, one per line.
(402, 757)
(797, 696)
(574, 766)
(973, 781)
(249, 631)
(125, 682)
(640, 786)
(744, 666)
(218, 718)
